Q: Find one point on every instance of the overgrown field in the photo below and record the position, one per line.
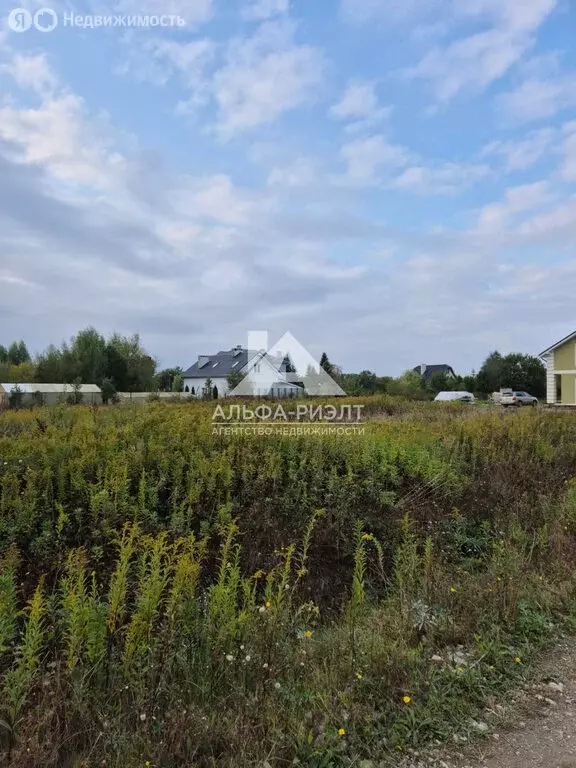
(173, 598)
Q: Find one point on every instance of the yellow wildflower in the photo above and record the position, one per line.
(518, 660)
(491, 668)
(308, 633)
(452, 589)
(358, 675)
(341, 732)
(367, 537)
(268, 603)
(406, 699)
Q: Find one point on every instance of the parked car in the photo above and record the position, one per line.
(518, 399)
(445, 397)
(497, 396)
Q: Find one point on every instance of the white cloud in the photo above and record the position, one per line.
(58, 133)
(473, 62)
(375, 160)
(259, 10)
(442, 179)
(194, 12)
(568, 169)
(538, 99)
(359, 103)
(264, 76)
(359, 100)
(303, 172)
(522, 153)
(561, 220)
(365, 158)
(216, 198)
(31, 71)
(496, 216)
(257, 79)
(362, 11)
(156, 59)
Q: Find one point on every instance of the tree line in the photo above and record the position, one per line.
(117, 364)
(121, 364)
(518, 371)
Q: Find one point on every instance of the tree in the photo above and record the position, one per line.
(49, 366)
(75, 397)
(408, 385)
(367, 382)
(141, 371)
(207, 390)
(24, 372)
(517, 371)
(88, 349)
(140, 368)
(15, 397)
(164, 380)
(18, 353)
(326, 364)
(38, 399)
(233, 379)
(439, 382)
(491, 374)
(116, 367)
(178, 383)
(23, 352)
(3, 354)
(108, 390)
(312, 381)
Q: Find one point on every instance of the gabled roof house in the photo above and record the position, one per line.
(427, 371)
(268, 373)
(560, 361)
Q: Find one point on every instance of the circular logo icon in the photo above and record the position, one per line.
(19, 20)
(45, 20)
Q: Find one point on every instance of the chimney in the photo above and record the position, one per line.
(422, 369)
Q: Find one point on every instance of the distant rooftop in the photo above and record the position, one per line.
(225, 362)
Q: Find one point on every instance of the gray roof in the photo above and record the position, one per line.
(432, 369)
(219, 365)
(227, 361)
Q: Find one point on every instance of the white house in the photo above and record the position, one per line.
(266, 374)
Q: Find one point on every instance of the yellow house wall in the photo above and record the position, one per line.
(568, 385)
(565, 357)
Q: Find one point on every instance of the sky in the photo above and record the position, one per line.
(392, 181)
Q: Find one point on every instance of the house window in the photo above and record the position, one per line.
(193, 391)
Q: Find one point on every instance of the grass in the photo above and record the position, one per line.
(168, 597)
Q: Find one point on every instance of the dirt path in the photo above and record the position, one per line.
(534, 728)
